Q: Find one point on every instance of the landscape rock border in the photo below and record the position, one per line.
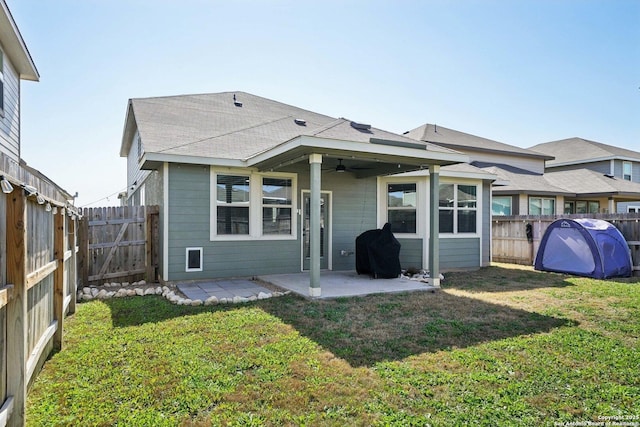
(141, 288)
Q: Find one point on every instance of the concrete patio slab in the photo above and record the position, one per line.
(227, 288)
(334, 284)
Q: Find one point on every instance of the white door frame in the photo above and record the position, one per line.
(329, 195)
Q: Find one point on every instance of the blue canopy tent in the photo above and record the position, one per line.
(584, 247)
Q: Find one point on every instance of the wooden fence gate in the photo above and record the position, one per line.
(119, 244)
(510, 243)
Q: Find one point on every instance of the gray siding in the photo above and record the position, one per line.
(603, 167)
(135, 175)
(459, 253)
(411, 253)
(10, 123)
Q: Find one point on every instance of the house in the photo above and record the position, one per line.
(249, 186)
(616, 163)
(525, 183)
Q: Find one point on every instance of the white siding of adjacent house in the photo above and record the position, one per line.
(10, 123)
(526, 163)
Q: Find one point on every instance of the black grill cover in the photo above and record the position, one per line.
(378, 253)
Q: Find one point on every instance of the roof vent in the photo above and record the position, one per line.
(608, 175)
(360, 126)
(235, 102)
(300, 122)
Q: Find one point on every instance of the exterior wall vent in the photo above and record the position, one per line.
(193, 259)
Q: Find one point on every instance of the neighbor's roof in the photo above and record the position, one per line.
(14, 45)
(214, 126)
(463, 141)
(587, 182)
(577, 150)
(511, 180)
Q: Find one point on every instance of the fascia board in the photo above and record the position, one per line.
(194, 160)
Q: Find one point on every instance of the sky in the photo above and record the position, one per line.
(519, 72)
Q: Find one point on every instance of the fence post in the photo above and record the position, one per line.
(58, 277)
(83, 251)
(17, 307)
(73, 280)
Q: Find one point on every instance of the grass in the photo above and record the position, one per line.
(501, 346)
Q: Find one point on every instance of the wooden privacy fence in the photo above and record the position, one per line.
(38, 281)
(510, 243)
(119, 244)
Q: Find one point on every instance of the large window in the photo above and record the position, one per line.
(252, 206)
(501, 205)
(626, 171)
(542, 206)
(232, 202)
(458, 208)
(276, 205)
(401, 207)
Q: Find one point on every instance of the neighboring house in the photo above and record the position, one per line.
(250, 186)
(525, 183)
(619, 163)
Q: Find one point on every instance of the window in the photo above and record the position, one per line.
(401, 207)
(633, 209)
(232, 201)
(584, 206)
(541, 206)
(626, 171)
(193, 259)
(569, 208)
(253, 205)
(501, 206)
(276, 205)
(458, 208)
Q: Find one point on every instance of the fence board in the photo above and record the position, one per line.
(510, 244)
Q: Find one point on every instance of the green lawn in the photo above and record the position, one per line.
(501, 346)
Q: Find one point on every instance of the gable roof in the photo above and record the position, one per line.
(463, 141)
(572, 151)
(238, 126)
(14, 45)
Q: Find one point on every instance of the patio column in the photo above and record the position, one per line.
(434, 225)
(612, 205)
(315, 165)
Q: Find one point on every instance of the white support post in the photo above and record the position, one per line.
(315, 165)
(434, 226)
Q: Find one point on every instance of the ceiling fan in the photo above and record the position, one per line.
(341, 168)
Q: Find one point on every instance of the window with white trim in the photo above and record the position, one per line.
(627, 171)
(251, 205)
(586, 206)
(193, 259)
(277, 205)
(501, 205)
(401, 207)
(232, 204)
(542, 206)
(458, 208)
